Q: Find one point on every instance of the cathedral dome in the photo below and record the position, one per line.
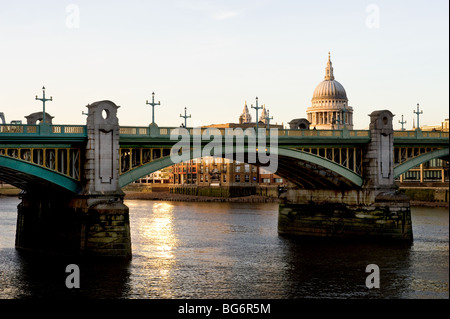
(329, 88)
(329, 108)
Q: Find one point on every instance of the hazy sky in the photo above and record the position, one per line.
(212, 56)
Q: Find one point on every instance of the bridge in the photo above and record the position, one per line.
(73, 175)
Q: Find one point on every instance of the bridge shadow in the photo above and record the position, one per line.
(337, 269)
(45, 277)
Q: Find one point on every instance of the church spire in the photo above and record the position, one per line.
(329, 70)
(245, 116)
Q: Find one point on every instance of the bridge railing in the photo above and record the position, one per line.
(324, 133)
(421, 134)
(24, 129)
(69, 129)
(19, 129)
(166, 131)
(81, 130)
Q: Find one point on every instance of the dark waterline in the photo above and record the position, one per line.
(232, 250)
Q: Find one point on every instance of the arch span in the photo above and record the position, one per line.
(294, 165)
(25, 175)
(406, 166)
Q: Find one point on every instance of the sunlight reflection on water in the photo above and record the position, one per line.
(232, 250)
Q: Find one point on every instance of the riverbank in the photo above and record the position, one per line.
(416, 203)
(166, 196)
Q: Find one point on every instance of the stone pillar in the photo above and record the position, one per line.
(94, 223)
(378, 161)
(101, 168)
(107, 228)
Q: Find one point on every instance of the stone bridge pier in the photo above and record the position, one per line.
(94, 222)
(376, 211)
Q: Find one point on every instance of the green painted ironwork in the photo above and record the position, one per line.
(156, 165)
(409, 164)
(332, 166)
(144, 170)
(39, 173)
(13, 130)
(63, 160)
(8, 131)
(138, 140)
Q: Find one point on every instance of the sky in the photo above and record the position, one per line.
(212, 56)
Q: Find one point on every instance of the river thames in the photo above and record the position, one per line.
(232, 250)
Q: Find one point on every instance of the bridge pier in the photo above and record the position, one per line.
(345, 215)
(93, 223)
(375, 211)
(74, 226)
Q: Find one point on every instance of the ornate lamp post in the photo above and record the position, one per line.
(268, 118)
(418, 115)
(185, 116)
(256, 108)
(402, 122)
(43, 99)
(153, 106)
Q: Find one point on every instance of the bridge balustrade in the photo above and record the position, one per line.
(421, 134)
(20, 129)
(166, 131)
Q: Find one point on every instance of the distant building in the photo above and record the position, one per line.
(299, 124)
(441, 127)
(329, 108)
(245, 116)
(160, 177)
(212, 171)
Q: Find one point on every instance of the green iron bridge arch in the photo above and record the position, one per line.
(420, 159)
(308, 173)
(26, 175)
(309, 158)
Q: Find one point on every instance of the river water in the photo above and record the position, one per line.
(232, 250)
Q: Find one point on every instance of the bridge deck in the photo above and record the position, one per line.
(73, 133)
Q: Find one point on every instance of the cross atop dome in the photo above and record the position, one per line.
(329, 70)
